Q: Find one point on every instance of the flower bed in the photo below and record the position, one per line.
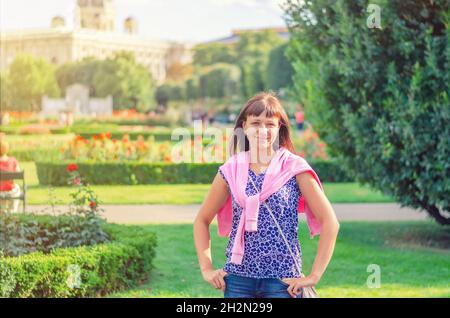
(103, 147)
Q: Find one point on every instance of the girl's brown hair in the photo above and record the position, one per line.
(264, 101)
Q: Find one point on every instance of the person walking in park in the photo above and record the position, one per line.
(257, 195)
(300, 119)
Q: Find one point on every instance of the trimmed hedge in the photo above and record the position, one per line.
(87, 271)
(133, 135)
(10, 130)
(36, 154)
(15, 130)
(130, 173)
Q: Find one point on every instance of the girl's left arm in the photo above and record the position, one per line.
(324, 213)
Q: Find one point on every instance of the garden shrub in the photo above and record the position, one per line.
(53, 173)
(82, 225)
(21, 234)
(85, 271)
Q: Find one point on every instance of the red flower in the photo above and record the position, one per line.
(92, 204)
(108, 135)
(72, 167)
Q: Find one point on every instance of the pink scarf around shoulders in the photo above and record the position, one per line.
(283, 166)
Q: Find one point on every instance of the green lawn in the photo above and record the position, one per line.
(414, 258)
(179, 193)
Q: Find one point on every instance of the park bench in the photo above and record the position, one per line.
(19, 175)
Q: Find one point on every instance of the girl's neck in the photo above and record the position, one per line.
(262, 157)
(4, 157)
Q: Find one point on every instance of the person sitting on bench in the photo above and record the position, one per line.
(8, 164)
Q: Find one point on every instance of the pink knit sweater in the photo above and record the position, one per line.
(283, 166)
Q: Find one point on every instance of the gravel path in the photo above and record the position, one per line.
(158, 213)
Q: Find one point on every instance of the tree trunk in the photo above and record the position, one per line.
(436, 214)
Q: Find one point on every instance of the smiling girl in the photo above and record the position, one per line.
(257, 195)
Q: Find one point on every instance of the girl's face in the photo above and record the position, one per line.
(261, 131)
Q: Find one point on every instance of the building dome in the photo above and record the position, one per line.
(96, 15)
(130, 25)
(94, 3)
(58, 22)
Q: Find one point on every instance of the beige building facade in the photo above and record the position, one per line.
(93, 35)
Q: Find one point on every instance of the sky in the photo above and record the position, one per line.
(179, 20)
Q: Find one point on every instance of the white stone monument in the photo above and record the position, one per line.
(78, 102)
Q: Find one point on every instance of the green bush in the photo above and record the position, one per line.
(220, 80)
(169, 91)
(379, 97)
(86, 271)
(54, 173)
(21, 234)
(7, 279)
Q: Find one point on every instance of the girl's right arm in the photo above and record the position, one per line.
(216, 198)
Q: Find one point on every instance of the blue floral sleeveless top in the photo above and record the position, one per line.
(266, 254)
